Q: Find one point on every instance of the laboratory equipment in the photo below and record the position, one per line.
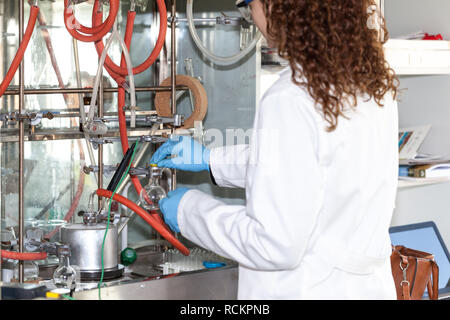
(207, 53)
(56, 246)
(65, 275)
(86, 249)
(152, 193)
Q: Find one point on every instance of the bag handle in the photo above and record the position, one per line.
(433, 289)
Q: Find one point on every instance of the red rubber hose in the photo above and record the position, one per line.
(153, 219)
(121, 102)
(122, 70)
(95, 33)
(26, 256)
(88, 30)
(21, 51)
(162, 229)
(131, 15)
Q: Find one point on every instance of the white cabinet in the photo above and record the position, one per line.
(418, 57)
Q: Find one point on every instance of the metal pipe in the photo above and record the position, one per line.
(173, 73)
(89, 90)
(81, 103)
(173, 58)
(78, 73)
(141, 115)
(100, 147)
(218, 20)
(2, 146)
(21, 145)
(72, 171)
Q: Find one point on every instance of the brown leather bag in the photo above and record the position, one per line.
(414, 271)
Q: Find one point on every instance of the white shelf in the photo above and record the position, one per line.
(418, 57)
(418, 182)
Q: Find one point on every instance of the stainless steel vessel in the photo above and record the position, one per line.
(86, 249)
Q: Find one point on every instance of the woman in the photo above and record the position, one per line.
(320, 173)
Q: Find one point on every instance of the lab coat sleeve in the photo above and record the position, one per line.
(284, 194)
(229, 165)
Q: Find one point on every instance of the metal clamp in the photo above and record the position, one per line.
(131, 108)
(227, 20)
(99, 141)
(54, 248)
(107, 169)
(142, 4)
(404, 273)
(33, 117)
(153, 139)
(177, 120)
(138, 171)
(33, 238)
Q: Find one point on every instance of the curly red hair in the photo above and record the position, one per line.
(332, 50)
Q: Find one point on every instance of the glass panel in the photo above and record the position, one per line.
(53, 169)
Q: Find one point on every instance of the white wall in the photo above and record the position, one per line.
(425, 101)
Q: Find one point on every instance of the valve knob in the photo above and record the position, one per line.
(128, 256)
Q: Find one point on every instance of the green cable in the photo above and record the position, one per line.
(109, 214)
(67, 297)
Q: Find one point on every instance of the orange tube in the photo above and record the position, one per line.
(153, 218)
(90, 34)
(131, 15)
(121, 92)
(161, 228)
(23, 256)
(122, 70)
(21, 51)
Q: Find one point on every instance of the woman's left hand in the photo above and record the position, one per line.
(182, 153)
(169, 207)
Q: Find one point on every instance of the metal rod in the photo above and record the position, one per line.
(173, 59)
(77, 70)
(2, 146)
(72, 171)
(68, 114)
(100, 147)
(219, 20)
(21, 145)
(89, 90)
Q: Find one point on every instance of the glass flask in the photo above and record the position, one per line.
(152, 193)
(65, 275)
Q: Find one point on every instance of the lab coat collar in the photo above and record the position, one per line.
(287, 71)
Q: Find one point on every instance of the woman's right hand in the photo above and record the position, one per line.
(182, 153)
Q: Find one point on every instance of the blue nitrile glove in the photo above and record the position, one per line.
(169, 207)
(189, 155)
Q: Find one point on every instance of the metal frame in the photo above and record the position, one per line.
(213, 284)
(21, 92)
(21, 144)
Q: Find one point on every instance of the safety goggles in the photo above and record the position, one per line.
(244, 9)
(243, 3)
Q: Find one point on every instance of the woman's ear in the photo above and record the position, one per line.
(259, 18)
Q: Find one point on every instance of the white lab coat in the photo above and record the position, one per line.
(319, 204)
